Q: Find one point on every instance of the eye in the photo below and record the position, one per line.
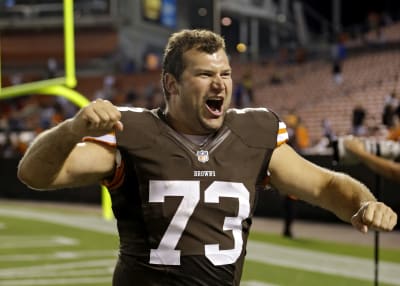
(205, 74)
(226, 74)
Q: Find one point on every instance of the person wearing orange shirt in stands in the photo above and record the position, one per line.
(299, 139)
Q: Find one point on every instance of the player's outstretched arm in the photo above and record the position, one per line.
(339, 193)
(384, 167)
(57, 158)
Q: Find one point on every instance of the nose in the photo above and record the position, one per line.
(218, 82)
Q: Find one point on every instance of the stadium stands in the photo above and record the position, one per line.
(311, 91)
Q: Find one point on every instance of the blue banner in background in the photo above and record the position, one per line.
(168, 13)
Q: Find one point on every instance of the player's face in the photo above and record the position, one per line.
(204, 92)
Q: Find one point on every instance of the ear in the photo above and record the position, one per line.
(171, 84)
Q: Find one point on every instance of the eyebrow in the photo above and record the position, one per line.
(211, 70)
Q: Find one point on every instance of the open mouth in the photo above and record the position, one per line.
(215, 105)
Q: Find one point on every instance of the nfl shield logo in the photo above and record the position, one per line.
(202, 156)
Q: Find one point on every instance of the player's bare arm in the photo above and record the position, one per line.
(346, 197)
(58, 158)
(385, 167)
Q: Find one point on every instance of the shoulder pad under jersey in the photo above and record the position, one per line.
(140, 128)
(257, 127)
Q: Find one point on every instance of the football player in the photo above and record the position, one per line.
(183, 178)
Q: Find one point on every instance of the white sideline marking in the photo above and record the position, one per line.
(86, 222)
(59, 255)
(255, 283)
(35, 241)
(105, 271)
(74, 281)
(32, 270)
(322, 262)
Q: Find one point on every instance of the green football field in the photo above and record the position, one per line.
(56, 245)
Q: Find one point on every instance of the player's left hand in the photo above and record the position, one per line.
(376, 216)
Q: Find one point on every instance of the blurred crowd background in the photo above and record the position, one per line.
(328, 68)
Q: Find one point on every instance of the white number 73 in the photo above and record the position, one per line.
(166, 253)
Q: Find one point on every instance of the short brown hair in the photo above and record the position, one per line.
(182, 41)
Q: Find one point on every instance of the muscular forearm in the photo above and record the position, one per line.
(344, 196)
(381, 166)
(46, 155)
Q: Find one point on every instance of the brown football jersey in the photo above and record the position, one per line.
(184, 210)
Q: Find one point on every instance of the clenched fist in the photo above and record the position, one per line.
(374, 215)
(98, 118)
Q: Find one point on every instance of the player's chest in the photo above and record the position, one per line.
(224, 158)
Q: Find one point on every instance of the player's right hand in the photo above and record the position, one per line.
(98, 118)
(374, 215)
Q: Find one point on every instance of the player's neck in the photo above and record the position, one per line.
(197, 139)
(178, 126)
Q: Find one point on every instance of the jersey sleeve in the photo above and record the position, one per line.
(282, 136)
(117, 178)
(108, 139)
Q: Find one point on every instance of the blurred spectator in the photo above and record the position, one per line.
(68, 109)
(289, 214)
(108, 90)
(131, 97)
(7, 148)
(389, 109)
(358, 118)
(394, 130)
(16, 78)
(299, 139)
(339, 54)
(337, 72)
(238, 95)
(22, 118)
(302, 136)
(52, 68)
(327, 131)
(150, 93)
